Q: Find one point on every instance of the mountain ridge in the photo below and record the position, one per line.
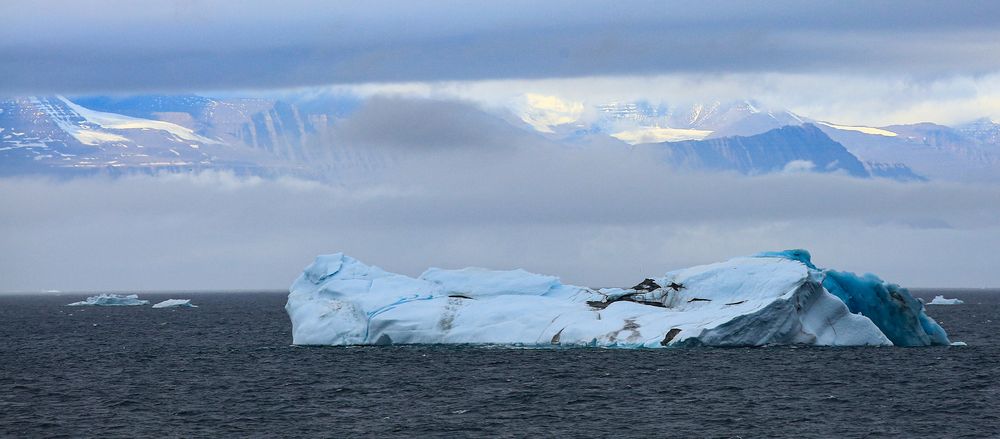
(304, 138)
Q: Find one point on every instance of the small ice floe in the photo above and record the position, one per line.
(172, 303)
(958, 343)
(940, 300)
(111, 300)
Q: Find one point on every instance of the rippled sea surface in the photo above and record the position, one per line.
(227, 369)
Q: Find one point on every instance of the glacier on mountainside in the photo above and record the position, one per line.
(111, 300)
(774, 298)
(940, 300)
(175, 303)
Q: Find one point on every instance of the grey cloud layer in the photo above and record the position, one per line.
(578, 218)
(420, 125)
(119, 46)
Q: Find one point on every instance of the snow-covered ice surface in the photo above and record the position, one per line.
(940, 300)
(170, 303)
(111, 300)
(768, 299)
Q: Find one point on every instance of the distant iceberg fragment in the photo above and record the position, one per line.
(940, 300)
(174, 303)
(773, 298)
(111, 300)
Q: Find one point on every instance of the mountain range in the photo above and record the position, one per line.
(63, 136)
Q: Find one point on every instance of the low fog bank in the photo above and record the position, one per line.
(590, 215)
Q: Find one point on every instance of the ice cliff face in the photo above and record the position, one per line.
(768, 299)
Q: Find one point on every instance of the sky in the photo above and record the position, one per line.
(469, 190)
(847, 61)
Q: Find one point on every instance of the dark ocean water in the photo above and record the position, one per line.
(227, 369)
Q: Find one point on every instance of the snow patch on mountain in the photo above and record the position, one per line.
(862, 129)
(65, 122)
(121, 122)
(90, 137)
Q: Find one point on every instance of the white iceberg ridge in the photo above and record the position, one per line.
(111, 300)
(767, 299)
(171, 303)
(940, 300)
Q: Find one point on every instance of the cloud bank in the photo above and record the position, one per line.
(116, 45)
(593, 218)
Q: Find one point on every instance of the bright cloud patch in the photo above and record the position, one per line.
(544, 112)
(658, 134)
(799, 166)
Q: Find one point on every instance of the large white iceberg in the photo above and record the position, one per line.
(111, 300)
(940, 300)
(768, 299)
(174, 303)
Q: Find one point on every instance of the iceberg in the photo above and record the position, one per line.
(111, 300)
(171, 303)
(774, 298)
(940, 300)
